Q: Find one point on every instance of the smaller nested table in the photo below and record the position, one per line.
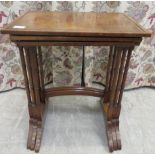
(36, 29)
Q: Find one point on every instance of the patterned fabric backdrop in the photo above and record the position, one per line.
(63, 64)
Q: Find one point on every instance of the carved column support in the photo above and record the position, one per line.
(118, 64)
(31, 60)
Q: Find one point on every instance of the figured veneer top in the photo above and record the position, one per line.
(76, 24)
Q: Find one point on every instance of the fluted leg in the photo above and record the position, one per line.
(31, 60)
(118, 64)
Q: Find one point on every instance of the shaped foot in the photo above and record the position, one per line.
(34, 135)
(113, 135)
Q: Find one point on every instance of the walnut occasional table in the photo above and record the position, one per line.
(36, 29)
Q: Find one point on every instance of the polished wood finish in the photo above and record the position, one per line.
(118, 66)
(59, 91)
(76, 24)
(36, 29)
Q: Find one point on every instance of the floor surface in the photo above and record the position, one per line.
(75, 124)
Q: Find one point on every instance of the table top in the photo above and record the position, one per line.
(76, 24)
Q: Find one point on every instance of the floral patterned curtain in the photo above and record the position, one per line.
(62, 65)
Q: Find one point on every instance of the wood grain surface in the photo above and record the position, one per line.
(75, 24)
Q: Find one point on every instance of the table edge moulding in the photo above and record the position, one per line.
(35, 29)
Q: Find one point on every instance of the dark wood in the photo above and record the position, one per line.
(74, 91)
(35, 92)
(39, 43)
(116, 30)
(118, 67)
(29, 75)
(83, 68)
(41, 73)
(23, 63)
(74, 39)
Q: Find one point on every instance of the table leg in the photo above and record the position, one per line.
(119, 58)
(31, 60)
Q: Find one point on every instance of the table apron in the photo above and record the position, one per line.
(74, 41)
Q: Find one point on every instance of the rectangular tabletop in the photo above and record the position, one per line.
(75, 24)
